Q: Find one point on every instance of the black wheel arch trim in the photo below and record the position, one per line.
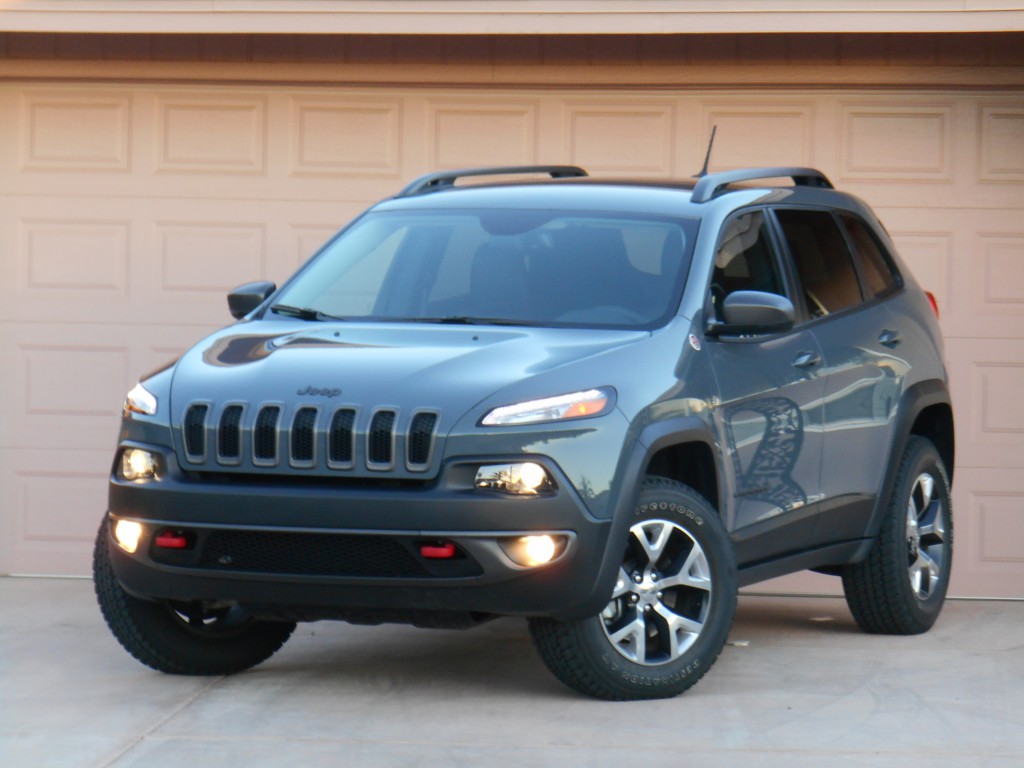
(914, 401)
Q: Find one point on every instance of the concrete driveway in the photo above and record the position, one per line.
(798, 685)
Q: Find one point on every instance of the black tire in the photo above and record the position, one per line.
(185, 638)
(901, 586)
(670, 612)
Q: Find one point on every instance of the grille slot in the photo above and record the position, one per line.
(380, 440)
(341, 439)
(264, 440)
(229, 434)
(309, 554)
(420, 442)
(194, 431)
(303, 437)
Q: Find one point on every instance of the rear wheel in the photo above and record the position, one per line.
(185, 638)
(901, 586)
(669, 613)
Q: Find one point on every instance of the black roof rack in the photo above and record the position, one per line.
(445, 179)
(708, 186)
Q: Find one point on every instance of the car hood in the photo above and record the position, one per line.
(405, 366)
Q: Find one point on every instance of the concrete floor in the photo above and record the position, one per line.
(798, 685)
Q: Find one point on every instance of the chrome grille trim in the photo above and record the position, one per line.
(193, 431)
(380, 440)
(419, 443)
(229, 434)
(302, 437)
(341, 439)
(265, 442)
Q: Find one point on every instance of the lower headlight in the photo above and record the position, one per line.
(127, 533)
(138, 464)
(533, 551)
(525, 478)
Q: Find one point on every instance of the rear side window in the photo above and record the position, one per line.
(744, 260)
(876, 268)
(822, 260)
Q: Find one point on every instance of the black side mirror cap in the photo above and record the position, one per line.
(753, 312)
(245, 298)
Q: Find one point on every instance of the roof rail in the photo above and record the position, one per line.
(445, 179)
(708, 186)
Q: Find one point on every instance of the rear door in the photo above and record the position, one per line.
(844, 299)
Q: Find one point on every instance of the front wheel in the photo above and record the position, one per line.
(901, 586)
(184, 638)
(670, 611)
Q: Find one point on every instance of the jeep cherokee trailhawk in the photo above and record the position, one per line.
(600, 405)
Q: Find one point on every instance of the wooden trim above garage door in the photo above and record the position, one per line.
(546, 17)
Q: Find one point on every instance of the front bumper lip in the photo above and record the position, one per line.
(449, 509)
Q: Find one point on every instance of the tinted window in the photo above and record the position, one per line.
(822, 260)
(560, 268)
(744, 260)
(875, 267)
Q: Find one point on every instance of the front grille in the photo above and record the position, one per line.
(195, 432)
(421, 439)
(309, 554)
(304, 435)
(265, 435)
(341, 441)
(229, 439)
(380, 440)
(345, 440)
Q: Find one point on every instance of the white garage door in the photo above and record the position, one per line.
(126, 212)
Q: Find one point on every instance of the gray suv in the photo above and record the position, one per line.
(600, 405)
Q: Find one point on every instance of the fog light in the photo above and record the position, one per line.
(525, 478)
(531, 551)
(127, 533)
(137, 464)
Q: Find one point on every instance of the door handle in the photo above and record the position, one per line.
(806, 360)
(888, 338)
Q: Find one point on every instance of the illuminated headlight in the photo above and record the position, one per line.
(575, 405)
(137, 464)
(531, 551)
(525, 479)
(140, 400)
(127, 534)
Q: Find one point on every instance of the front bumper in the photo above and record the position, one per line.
(312, 548)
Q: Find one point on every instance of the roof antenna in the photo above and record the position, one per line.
(707, 157)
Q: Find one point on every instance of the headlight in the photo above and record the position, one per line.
(137, 464)
(522, 479)
(575, 405)
(140, 400)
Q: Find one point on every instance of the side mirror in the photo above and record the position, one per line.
(750, 312)
(245, 298)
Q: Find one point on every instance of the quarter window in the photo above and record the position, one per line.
(876, 269)
(822, 260)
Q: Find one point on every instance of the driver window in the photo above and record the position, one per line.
(744, 260)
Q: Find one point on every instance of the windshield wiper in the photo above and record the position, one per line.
(469, 320)
(303, 313)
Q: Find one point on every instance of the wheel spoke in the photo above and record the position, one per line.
(622, 586)
(693, 573)
(924, 574)
(654, 549)
(932, 523)
(632, 634)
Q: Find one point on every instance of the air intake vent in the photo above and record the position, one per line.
(194, 430)
(421, 440)
(380, 440)
(341, 442)
(264, 439)
(303, 435)
(229, 439)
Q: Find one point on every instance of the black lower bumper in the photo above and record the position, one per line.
(318, 550)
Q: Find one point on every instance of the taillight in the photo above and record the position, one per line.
(933, 302)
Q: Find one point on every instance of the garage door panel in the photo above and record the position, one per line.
(988, 559)
(55, 501)
(785, 133)
(482, 132)
(67, 381)
(987, 377)
(621, 139)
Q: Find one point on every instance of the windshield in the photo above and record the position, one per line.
(552, 268)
